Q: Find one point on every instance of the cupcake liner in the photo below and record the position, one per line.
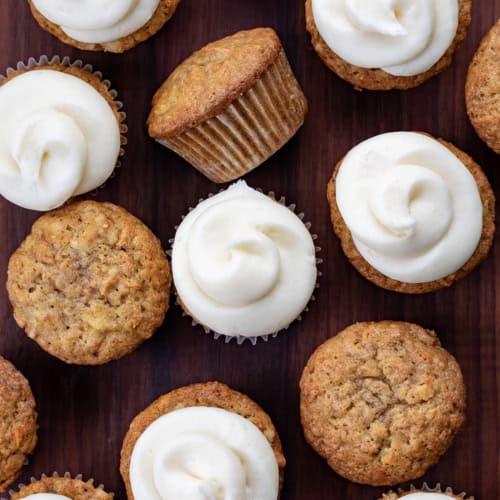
(249, 131)
(240, 339)
(65, 61)
(426, 488)
(66, 475)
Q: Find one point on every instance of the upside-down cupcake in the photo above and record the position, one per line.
(202, 441)
(17, 423)
(414, 214)
(482, 89)
(425, 493)
(381, 402)
(60, 133)
(380, 45)
(57, 487)
(244, 265)
(103, 25)
(229, 106)
(90, 283)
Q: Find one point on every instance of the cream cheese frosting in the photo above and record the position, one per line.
(46, 496)
(424, 495)
(243, 264)
(201, 453)
(97, 21)
(412, 207)
(402, 37)
(59, 138)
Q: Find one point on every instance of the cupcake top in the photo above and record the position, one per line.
(59, 137)
(202, 452)
(210, 79)
(97, 21)
(243, 264)
(413, 208)
(424, 494)
(46, 496)
(402, 38)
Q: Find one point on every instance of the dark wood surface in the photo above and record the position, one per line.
(85, 411)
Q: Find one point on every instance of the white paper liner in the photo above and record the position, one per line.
(240, 339)
(426, 488)
(66, 61)
(66, 475)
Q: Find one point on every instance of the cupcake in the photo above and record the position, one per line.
(380, 45)
(243, 264)
(90, 283)
(60, 134)
(425, 493)
(97, 25)
(17, 423)
(381, 402)
(414, 214)
(482, 89)
(230, 106)
(56, 487)
(202, 441)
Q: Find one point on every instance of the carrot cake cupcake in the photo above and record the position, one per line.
(482, 89)
(425, 493)
(229, 106)
(243, 264)
(381, 45)
(60, 134)
(61, 488)
(381, 402)
(17, 423)
(414, 214)
(204, 440)
(103, 25)
(90, 283)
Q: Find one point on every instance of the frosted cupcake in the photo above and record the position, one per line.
(414, 214)
(425, 493)
(243, 264)
(383, 45)
(60, 134)
(101, 24)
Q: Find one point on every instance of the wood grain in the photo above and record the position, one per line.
(84, 412)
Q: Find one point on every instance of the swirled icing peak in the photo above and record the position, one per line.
(97, 21)
(243, 264)
(59, 138)
(413, 208)
(201, 453)
(403, 37)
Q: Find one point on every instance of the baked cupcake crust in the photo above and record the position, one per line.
(90, 283)
(17, 423)
(209, 394)
(381, 401)
(209, 80)
(482, 89)
(378, 79)
(379, 279)
(76, 489)
(163, 13)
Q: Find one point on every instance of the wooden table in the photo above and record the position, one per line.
(85, 411)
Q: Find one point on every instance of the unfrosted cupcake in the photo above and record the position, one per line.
(414, 214)
(425, 493)
(244, 265)
(380, 45)
(60, 133)
(114, 26)
(202, 441)
(229, 106)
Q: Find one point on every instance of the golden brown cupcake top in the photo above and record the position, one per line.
(17, 423)
(210, 79)
(90, 283)
(381, 402)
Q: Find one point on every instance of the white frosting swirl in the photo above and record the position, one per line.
(424, 495)
(46, 496)
(413, 208)
(201, 453)
(403, 37)
(97, 21)
(59, 137)
(243, 264)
